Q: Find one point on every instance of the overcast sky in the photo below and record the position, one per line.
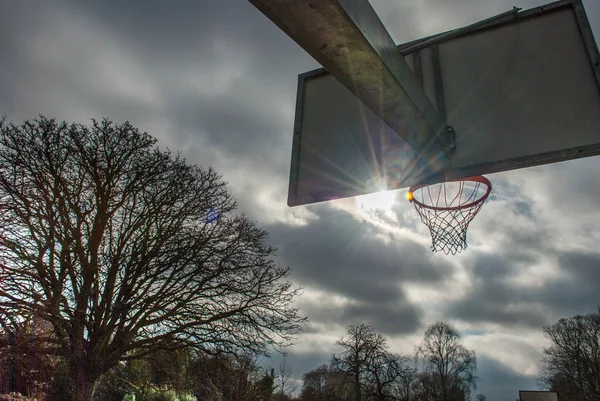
(217, 80)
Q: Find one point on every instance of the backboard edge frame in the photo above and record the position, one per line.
(587, 35)
(540, 159)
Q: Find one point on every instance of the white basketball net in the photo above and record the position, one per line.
(448, 208)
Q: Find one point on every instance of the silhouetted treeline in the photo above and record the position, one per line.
(365, 369)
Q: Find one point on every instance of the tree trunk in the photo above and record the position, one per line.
(357, 389)
(84, 385)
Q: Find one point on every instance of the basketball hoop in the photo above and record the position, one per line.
(447, 209)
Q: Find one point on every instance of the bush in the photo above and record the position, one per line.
(111, 388)
(169, 395)
(162, 396)
(14, 397)
(61, 387)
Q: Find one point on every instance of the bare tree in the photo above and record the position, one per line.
(116, 244)
(386, 371)
(366, 361)
(406, 387)
(286, 385)
(480, 397)
(325, 384)
(572, 361)
(315, 384)
(449, 366)
(356, 352)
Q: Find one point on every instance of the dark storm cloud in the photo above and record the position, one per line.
(387, 318)
(579, 291)
(157, 28)
(207, 36)
(234, 125)
(393, 316)
(340, 252)
(55, 62)
(499, 383)
(496, 299)
(496, 305)
(344, 256)
(492, 297)
(167, 40)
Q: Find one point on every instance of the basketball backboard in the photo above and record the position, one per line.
(526, 395)
(518, 90)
